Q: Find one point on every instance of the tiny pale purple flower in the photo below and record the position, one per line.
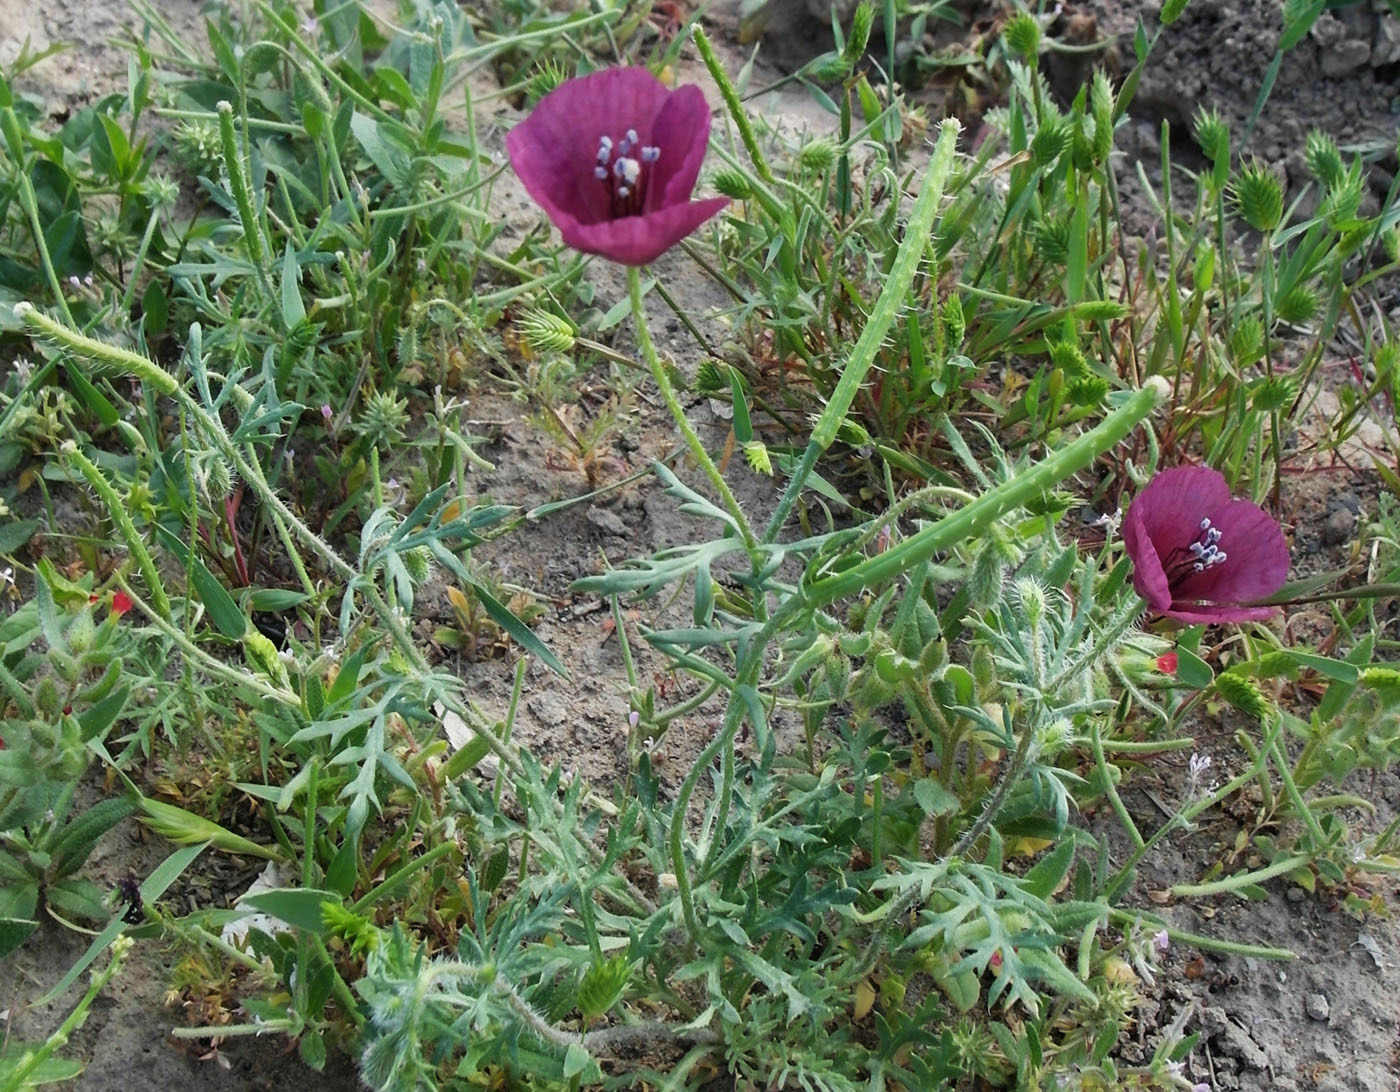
(1198, 554)
(1162, 939)
(613, 157)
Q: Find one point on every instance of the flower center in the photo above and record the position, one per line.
(623, 169)
(1196, 556)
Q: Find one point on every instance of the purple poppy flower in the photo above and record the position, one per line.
(1197, 553)
(612, 158)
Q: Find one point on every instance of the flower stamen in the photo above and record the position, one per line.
(1199, 555)
(624, 172)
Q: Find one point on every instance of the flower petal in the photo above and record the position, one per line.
(1215, 613)
(1175, 501)
(682, 133)
(1256, 563)
(637, 240)
(1149, 579)
(554, 150)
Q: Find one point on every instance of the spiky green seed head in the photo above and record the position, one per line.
(954, 322)
(1087, 390)
(1172, 11)
(1244, 694)
(1051, 241)
(830, 67)
(546, 332)
(1048, 143)
(1246, 341)
(1272, 394)
(1212, 133)
(601, 986)
(1101, 110)
(1344, 198)
(545, 78)
(819, 155)
(862, 20)
(733, 183)
(1298, 305)
(1258, 194)
(1323, 158)
(1022, 35)
(1066, 357)
(384, 418)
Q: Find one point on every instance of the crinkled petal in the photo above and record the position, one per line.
(554, 150)
(682, 133)
(1148, 576)
(1215, 613)
(1256, 555)
(1175, 501)
(637, 240)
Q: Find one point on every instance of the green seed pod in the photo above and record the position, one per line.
(819, 155)
(1172, 11)
(862, 20)
(1048, 143)
(1101, 108)
(1022, 35)
(1258, 195)
(984, 670)
(732, 183)
(1244, 694)
(1298, 305)
(546, 332)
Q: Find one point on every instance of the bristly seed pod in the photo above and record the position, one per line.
(859, 37)
(1259, 196)
(546, 332)
(1022, 35)
(1172, 11)
(1244, 694)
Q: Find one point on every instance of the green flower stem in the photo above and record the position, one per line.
(688, 433)
(101, 353)
(17, 1076)
(1189, 813)
(891, 300)
(238, 183)
(191, 651)
(1110, 790)
(9, 122)
(1210, 944)
(1234, 883)
(972, 520)
(116, 508)
(736, 109)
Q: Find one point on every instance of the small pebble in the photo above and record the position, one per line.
(1295, 894)
(1317, 1006)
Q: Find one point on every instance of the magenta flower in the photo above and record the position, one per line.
(1197, 553)
(612, 158)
